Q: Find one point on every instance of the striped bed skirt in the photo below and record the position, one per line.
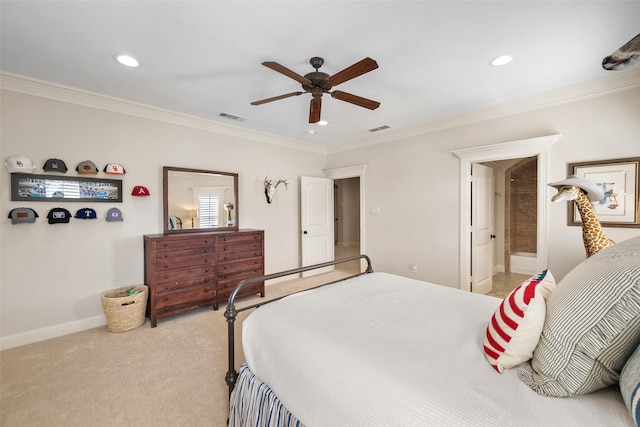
(253, 403)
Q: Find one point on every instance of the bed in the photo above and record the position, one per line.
(384, 350)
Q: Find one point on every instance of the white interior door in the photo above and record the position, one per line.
(482, 229)
(316, 212)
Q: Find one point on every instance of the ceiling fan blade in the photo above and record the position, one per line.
(287, 72)
(357, 69)
(314, 110)
(354, 99)
(275, 98)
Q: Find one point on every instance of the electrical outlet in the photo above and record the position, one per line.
(414, 268)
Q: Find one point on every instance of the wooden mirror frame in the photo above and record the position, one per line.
(165, 200)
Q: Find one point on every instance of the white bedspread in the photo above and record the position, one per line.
(383, 350)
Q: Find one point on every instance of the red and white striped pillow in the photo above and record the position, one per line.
(515, 327)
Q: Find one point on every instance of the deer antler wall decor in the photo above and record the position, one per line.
(270, 189)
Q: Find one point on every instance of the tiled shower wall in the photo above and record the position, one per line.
(521, 187)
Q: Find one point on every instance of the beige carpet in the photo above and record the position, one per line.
(171, 375)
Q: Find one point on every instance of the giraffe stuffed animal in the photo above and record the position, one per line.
(583, 193)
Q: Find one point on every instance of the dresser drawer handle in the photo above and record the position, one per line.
(206, 289)
(166, 298)
(226, 258)
(206, 260)
(166, 245)
(206, 270)
(206, 241)
(166, 288)
(166, 309)
(166, 255)
(206, 251)
(225, 239)
(166, 276)
(165, 266)
(225, 248)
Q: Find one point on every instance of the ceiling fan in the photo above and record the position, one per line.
(317, 83)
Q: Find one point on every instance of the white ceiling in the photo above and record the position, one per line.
(204, 58)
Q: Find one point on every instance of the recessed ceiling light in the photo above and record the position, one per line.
(310, 132)
(323, 123)
(501, 60)
(127, 60)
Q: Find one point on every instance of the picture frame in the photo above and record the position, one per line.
(620, 180)
(27, 187)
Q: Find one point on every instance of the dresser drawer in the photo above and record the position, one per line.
(234, 251)
(196, 294)
(169, 280)
(254, 288)
(229, 270)
(192, 242)
(194, 261)
(185, 252)
(230, 280)
(243, 237)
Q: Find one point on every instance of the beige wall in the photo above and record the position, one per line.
(415, 181)
(52, 275)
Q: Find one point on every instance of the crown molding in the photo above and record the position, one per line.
(61, 93)
(579, 92)
(582, 91)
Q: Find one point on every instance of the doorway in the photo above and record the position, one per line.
(346, 196)
(539, 147)
(515, 218)
(353, 237)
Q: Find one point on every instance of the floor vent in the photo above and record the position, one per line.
(379, 128)
(232, 117)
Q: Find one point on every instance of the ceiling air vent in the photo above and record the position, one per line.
(232, 117)
(379, 128)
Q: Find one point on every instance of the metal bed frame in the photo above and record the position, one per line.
(232, 312)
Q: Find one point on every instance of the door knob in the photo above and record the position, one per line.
(493, 236)
(304, 232)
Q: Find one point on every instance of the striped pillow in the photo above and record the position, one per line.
(514, 329)
(630, 385)
(592, 325)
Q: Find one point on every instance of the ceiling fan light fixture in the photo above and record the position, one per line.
(322, 123)
(127, 60)
(501, 60)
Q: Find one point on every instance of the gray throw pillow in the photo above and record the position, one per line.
(592, 325)
(630, 385)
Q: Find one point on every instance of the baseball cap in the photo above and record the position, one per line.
(140, 190)
(114, 168)
(19, 163)
(19, 215)
(114, 214)
(85, 213)
(58, 216)
(87, 167)
(55, 165)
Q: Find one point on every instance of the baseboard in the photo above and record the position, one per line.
(498, 269)
(36, 335)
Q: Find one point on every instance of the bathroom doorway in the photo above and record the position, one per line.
(516, 222)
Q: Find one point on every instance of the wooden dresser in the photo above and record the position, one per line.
(189, 271)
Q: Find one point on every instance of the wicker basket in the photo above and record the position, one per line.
(125, 313)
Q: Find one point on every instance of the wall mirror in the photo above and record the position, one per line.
(199, 200)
